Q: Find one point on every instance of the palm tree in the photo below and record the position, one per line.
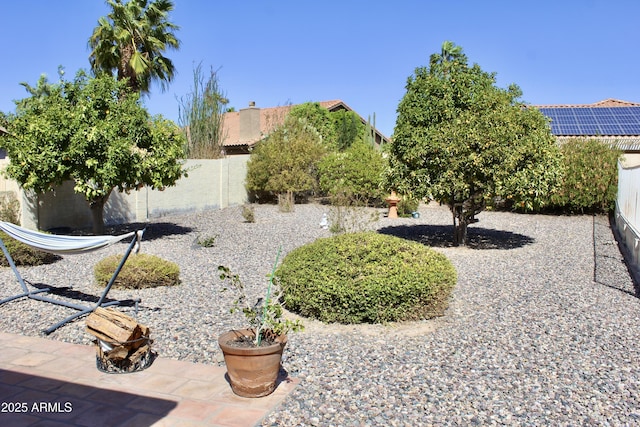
(448, 53)
(132, 39)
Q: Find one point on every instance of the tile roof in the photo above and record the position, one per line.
(627, 144)
(270, 118)
(604, 103)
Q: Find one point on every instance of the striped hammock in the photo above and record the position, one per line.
(63, 245)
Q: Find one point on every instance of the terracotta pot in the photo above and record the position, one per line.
(252, 371)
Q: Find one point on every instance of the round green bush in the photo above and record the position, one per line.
(366, 278)
(140, 271)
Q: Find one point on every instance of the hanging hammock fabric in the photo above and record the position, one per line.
(65, 245)
(57, 244)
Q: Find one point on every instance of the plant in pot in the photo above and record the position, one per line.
(253, 354)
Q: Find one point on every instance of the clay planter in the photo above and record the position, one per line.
(252, 371)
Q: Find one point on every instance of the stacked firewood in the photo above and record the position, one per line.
(123, 344)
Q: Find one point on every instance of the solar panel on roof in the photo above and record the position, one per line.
(610, 129)
(590, 129)
(627, 119)
(629, 129)
(593, 121)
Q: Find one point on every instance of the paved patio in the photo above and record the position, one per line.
(52, 383)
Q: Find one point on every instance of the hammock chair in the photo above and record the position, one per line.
(65, 245)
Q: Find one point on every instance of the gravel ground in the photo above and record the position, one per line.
(542, 328)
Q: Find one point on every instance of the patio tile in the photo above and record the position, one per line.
(168, 393)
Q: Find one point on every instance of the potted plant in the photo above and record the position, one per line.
(253, 354)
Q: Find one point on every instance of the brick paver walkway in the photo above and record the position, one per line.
(46, 382)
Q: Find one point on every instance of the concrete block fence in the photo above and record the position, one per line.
(211, 184)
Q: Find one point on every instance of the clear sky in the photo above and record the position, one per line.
(359, 51)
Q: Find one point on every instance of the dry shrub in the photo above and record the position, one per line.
(140, 271)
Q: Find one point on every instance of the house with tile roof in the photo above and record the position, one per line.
(243, 129)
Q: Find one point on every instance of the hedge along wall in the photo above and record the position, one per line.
(211, 184)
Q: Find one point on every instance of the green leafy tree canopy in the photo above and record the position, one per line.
(94, 132)
(318, 117)
(349, 128)
(286, 161)
(460, 139)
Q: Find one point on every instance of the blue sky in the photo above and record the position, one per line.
(360, 51)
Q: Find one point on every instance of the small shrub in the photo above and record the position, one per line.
(348, 214)
(140, 271)
(206, 241)
(407, 206)
(23, 254)
(265, 316)
(9, 208)
(248, 213)
(366, 278)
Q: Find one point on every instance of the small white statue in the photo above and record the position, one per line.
(324, 222)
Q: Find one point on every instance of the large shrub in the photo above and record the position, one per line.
(366, 278)
(590, 182)
(355, 172)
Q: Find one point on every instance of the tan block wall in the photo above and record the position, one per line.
(211, 184)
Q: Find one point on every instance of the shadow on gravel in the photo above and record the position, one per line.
(154, 230)
(610, 266)
(72, 294)
(442, 236)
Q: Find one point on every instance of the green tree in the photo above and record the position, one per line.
(132, 39)
(348, 128)
(318, 117)
(94, 132)
(201, 116)
(285, 163)
(461, 140)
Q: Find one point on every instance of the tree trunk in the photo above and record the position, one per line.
(464, 213)
(460, 223)
(460, 233)
(286, 201)
(97, 209)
